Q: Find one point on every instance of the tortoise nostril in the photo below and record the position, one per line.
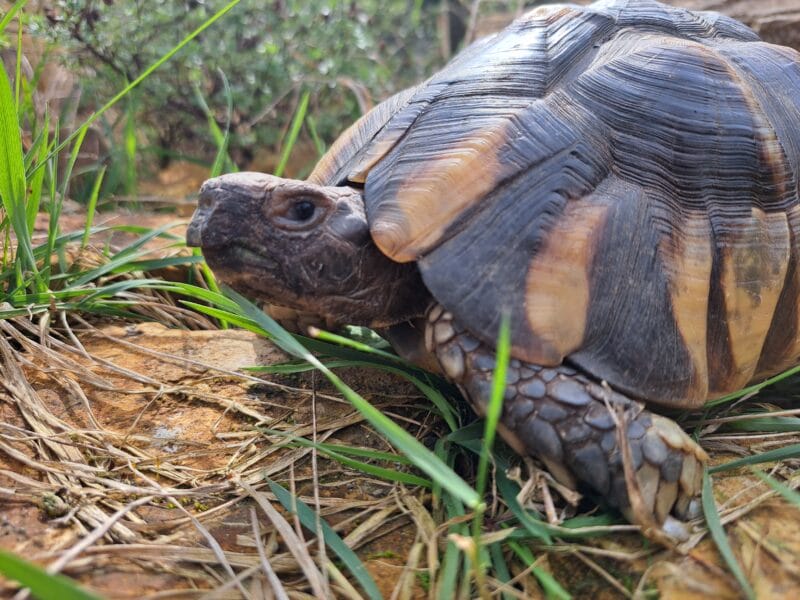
(209, 196)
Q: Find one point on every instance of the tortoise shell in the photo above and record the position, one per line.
(621, 178)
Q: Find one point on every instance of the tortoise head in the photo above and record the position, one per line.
(304, 246)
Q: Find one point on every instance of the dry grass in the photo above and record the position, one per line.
(138, 460)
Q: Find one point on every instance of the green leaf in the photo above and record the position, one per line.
(766, 424)
(791, 495)
(337, 453)
(550, 585)
(721, 538)
(12, 173)
(423, 458)
(753, 389)
(308, 518)
(294, 131)
(10, 14)
(41, 584)
(784, 453)
(509, 490)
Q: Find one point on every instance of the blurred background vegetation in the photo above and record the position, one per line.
(246, 76)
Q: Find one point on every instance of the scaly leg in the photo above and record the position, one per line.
(570, 423)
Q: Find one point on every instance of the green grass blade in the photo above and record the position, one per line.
(340, 449)
(721, 538)
(294, 131)
(12, 173)
(327, 336)
(552, 589)
(308, 518)
(423, 458)
(766, 424)
(508, 491)
(493, 410)
(319, 145)
(495, 407)
(17, 64)
(753, 389)
(222, 161)
(92, 206)
(337, 453)
(784, 453)
(36, 182)
(41, 584)
(124, 256)
(503, 574)
(10, 14)
(129, 146)
(791, 495)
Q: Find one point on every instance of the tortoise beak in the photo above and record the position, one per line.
(229, 197)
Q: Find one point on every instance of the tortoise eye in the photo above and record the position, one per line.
(302, 210)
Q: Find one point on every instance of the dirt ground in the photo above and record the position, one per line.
(167, 413)
(90, 426)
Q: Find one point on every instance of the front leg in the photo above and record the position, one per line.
(575, 426)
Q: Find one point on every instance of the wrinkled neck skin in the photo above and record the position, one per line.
(302, 246)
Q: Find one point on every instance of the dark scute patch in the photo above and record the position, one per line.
(771, 75)
(519, 409)
(632, 340)
(635, 430)
(719, 352)
(693, 125)
(590, 465)
(551, 412)
(535, 388)
(783, 331)
(569, 392)
(649, 15)
(336, 165)
(655, 450)
(599, 417)
(672, 465)
(479, 270)
(573, 431)
(541, 439)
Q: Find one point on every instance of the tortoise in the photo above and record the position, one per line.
(620, 179)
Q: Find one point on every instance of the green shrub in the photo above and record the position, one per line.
(344, 53)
